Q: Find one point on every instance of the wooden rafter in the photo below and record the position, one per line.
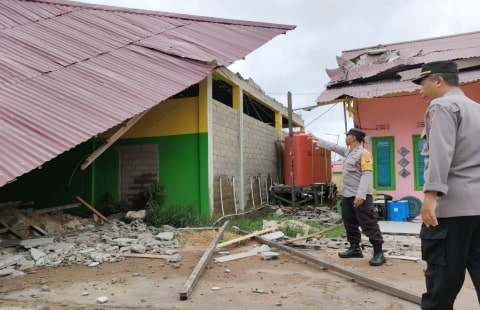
(112, 139)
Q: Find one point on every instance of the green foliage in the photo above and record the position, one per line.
(111, 206)
(155, 195)
(178, 215)
(254, 222)
(292, 230)
(174, 215)
(247, 224)
(338, 232)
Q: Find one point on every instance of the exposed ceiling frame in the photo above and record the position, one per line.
(112, 139)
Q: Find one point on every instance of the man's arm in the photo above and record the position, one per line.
(441, 125)
(340, 150)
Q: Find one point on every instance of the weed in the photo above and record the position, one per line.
(111, 206)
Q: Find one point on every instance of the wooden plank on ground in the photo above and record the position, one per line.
(59, 208)
(364, 279)
(15, 204)
(249, 253)
(12, 231)
(100, 215)
(202, 263)
(255, 233)
(38, 230)
(313, 235)
(410, 258)
(145, 255)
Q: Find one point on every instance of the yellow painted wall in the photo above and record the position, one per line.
(171, 117)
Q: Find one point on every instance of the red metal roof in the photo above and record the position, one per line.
(358, 69)
(70, 70)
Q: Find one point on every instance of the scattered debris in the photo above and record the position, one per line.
(252, 252)
(246, 237)
(207, 255)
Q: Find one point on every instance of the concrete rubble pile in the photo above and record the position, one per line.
(84, 242)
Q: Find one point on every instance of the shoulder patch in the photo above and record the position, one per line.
(366, 161)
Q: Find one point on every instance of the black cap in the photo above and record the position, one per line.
(357, 133)
(445, 66)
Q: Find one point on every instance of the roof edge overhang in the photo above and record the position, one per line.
(167, 14)
(391, 88)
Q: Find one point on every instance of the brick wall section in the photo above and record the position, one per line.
(260, 162)
(138, 170)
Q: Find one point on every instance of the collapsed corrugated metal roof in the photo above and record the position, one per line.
(70, 70)
(384, 69)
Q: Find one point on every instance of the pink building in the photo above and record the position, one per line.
(374, 84)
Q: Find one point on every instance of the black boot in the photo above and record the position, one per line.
(353, 251)
(378, 259)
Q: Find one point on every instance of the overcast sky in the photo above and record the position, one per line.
(296, 61)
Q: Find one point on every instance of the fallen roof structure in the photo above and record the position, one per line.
(70, 70)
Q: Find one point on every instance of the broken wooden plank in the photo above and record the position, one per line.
(38, 230)
(248, 253)
(15, 204)
(145, 255)
(59, 208)
(350, 273)
(197, 272)
(318, 233)
(255, 233)
(410, 258)
(100, 215)
(11, 230)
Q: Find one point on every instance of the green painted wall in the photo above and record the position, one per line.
(56, 183)
(179, 168)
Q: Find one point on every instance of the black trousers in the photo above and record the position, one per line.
(365, 217)
(449, 249)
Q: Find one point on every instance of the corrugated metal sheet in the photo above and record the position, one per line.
(382, 88)
(357, 65)
(69, 71)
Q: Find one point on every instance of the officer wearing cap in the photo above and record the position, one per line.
(357, 200)
(450, 233)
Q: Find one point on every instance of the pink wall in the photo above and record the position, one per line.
(401, 115)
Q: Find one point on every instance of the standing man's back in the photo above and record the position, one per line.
(450, 211)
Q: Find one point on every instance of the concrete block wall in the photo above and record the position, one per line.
(260, 162)
(138, 170)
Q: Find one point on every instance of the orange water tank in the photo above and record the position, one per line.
(310, 163)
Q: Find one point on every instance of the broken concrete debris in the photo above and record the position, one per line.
(90, 245)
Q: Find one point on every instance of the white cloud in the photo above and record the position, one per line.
(297, 61)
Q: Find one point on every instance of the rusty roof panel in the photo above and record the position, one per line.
(371, 61)
(362, 73)
(69, 70)
(382, 88)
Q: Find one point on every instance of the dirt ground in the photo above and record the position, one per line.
(287, 282)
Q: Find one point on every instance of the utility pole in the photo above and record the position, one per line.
(290, 134)
(338, 138)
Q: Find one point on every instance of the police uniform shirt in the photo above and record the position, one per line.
(357, 169)
(452, 154)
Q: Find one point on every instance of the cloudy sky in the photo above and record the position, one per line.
(296, 61)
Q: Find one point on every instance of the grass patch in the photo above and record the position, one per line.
(254, 222)
(337, 232)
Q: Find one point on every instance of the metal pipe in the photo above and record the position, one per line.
(266, 188)
(260, 189)
(251, 189)
(234, 196)
(221, 195)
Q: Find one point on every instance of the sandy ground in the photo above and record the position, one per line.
(287, 282)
